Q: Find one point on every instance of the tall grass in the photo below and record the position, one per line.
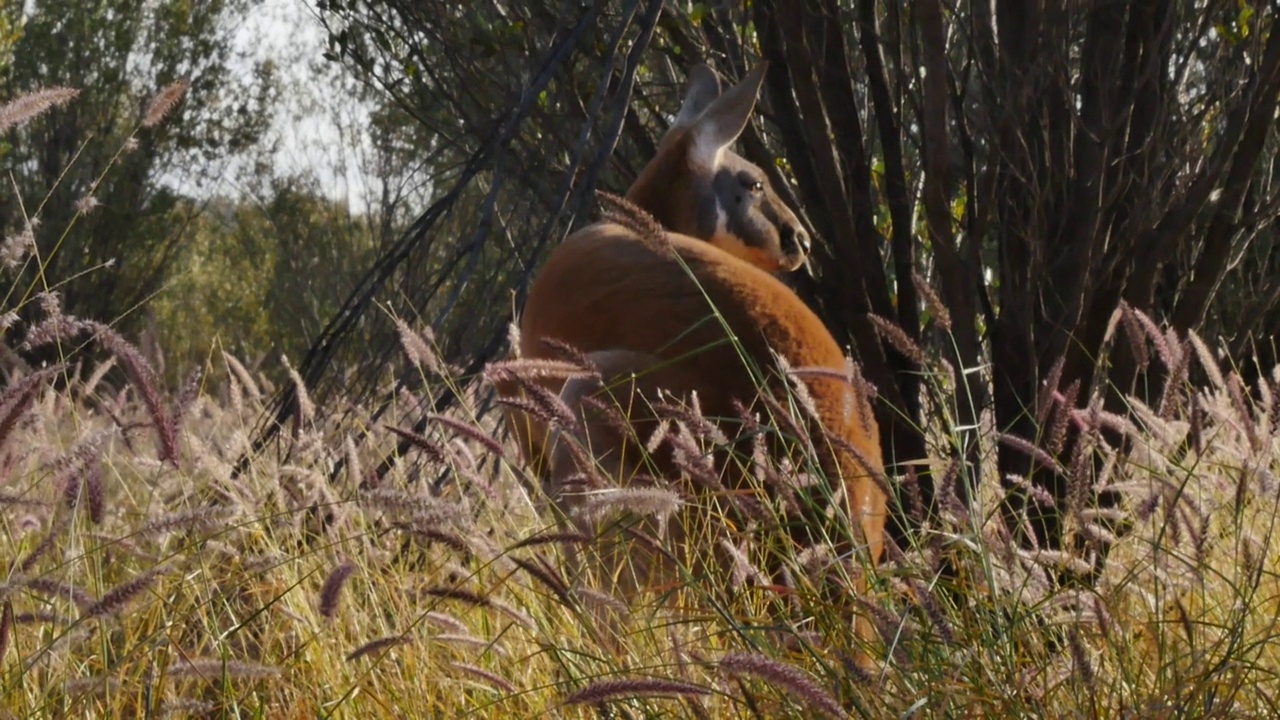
(145, 577)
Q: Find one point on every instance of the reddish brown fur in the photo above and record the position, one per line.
(624, 301)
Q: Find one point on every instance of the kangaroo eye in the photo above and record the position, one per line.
(757, 186)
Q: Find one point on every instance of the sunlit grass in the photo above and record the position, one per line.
(145, 576)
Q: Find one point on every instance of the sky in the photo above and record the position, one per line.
(309, 127)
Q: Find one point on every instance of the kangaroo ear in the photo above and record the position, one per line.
(724, 119)
(700, 90)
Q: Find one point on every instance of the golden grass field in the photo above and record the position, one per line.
(145, 578)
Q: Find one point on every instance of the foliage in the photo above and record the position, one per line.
(1039, 162)
(96, 181)
(153, 572)
(141, 586)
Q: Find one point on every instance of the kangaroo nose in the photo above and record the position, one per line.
(794, 240)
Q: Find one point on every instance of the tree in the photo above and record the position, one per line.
(1040, 162)
(94, 173)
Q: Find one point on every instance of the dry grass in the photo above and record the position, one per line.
(290, 590)
(144, 577)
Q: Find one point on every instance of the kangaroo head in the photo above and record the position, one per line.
(697, 186)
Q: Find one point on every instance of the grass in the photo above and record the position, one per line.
(144, 577)
(144, 583)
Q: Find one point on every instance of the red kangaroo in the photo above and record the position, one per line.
(641, 309)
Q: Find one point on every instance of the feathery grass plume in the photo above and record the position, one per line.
(1136, 336)
(419, 347)
(608, 408)
(1171, 395)
(948, 496)
(378, 645)
(1057, 559)
(546, 405)
(639, 221)
(432, 534)
(164, 102)
(61, 327)
(1080, 658)
(1036, 493)
(571, 354)
(188, 393)
(468, 639)
(87, 204)
(913, 496)
(215, 668)
(534, 368)
(351, 457)
(794, 682)
(242, 375)
(17, 248)
(95, 685)
(1235, 388)
(6, 628)
(798, 392)
(655, 502)
(1101, 615)
(692, 417)
(1048, 391)
(864, 390)
(487, 676)
(548, 576)
(1207, 361)
(763, 468)
(434, 451)
(24, 109)
(1153, 332)
(100, 371)
(890, 332)
(787, 424)
(424, 510)
(20, 396)
(331, 590)
(892, 628)
(469, 431)
(742, 571)
(11, 497)
(929, 604)
(1066, 404)
(58, 589)
(46, 543)
(70, 469)
(456, 593)
(304, 411)
(603, 600)
(202, 518)
(511, 611)
(117, 597)
(548, 538)
(1273, 427)
(1035, 452)
(143, 378)
(1195, 425)
(941, 316)
(690, 458)
(445, 621)
(1098, 536)
(606, 690)
(875, 473)
(188, 708)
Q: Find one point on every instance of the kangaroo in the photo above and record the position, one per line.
(696, 312)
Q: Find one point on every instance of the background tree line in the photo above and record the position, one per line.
(1037, 164)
